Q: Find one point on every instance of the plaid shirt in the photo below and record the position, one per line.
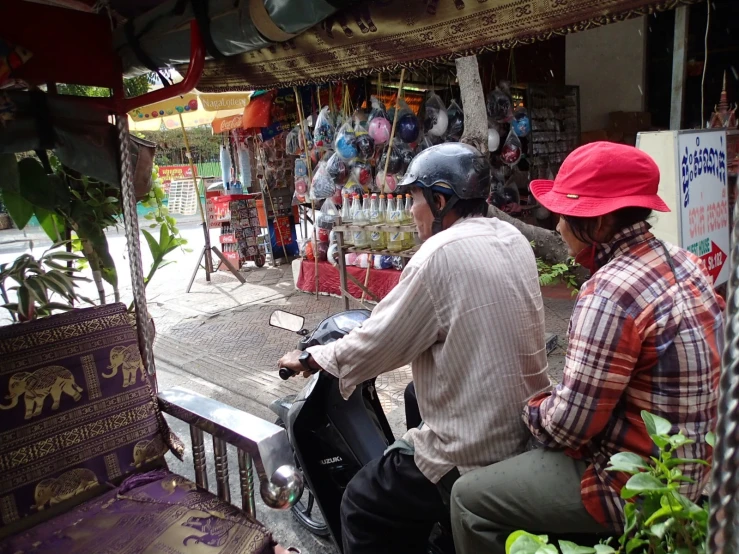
(640, 338)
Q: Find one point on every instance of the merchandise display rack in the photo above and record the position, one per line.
(339, 229)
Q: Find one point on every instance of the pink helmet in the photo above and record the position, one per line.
(379, 130)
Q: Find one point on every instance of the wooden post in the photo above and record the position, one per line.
(392, 133)
(679, 63)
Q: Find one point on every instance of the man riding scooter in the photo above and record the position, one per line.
(468, 314)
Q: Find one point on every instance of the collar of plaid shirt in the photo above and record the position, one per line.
(642, 337)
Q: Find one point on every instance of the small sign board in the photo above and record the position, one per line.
(693, 183)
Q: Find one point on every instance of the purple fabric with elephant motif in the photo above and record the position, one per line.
(156, 511)
(77, 409)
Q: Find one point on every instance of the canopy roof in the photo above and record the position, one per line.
(386, 35)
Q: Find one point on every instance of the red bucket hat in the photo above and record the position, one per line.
(600, 178)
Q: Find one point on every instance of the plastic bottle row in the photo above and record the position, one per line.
(378, 210)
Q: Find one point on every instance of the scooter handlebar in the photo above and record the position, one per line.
(286, 373)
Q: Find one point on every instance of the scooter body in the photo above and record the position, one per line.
(333, 438)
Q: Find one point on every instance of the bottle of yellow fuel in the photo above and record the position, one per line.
(394, 214)
(376, 217)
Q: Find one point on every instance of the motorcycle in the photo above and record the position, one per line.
(332, 438)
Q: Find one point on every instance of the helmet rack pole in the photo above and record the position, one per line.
(392, 132)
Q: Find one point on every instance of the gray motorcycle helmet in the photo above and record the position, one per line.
(454, 169)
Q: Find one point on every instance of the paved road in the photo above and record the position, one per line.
(216, 340)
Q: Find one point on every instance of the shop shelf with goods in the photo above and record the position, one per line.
(241, 236)
(340, 231)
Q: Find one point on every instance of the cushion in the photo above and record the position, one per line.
(76, 407)
(157, 511)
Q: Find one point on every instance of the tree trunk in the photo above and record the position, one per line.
(548, 245)
(473, 104)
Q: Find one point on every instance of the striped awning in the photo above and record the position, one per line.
(385, 35)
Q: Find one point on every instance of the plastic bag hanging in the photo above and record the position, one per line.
(395, 164)
(292, 141)
(327, 215)
(322, 185)
(337, 169)
(225, 167)
(245, 166)
(360, 118)
(408, 128)
(361, 171)
(379, 125)
(435, 121)
(521, 123)
(499, 103)
(455, 127)
(364, 142)
(493, 136)
(301, 177)
(346, 142)
(511, 151)
(323, 133)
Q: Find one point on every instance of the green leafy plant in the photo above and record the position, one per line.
(42, 285)
(658, 519)
(551, 274)
(169, 235)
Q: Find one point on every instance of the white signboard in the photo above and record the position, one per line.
(704, 204)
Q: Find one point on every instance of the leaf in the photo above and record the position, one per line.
(164, 239)
(60, 279)
(656, 425)
(521, 542)
(711, 439)
(604, 549)
(547, 549)
(35, 185)
(25, 304)
(57, 306)
(642, 482)
(9, 178)
(19, 209)
(52, 223)
(568, 547)
(672, 462)
(634, 544)
(111, 200)
(676, 441)
(628, 462)
(153, 244)
(61, 255)
(659, 529)
(37, 287)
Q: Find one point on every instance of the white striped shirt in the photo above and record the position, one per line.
(468, 314)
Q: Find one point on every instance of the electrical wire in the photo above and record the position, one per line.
(705, 67)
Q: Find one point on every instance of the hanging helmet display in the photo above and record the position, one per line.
(365, 146)
(408, 128)
(521, 123)
(379, 130)
(395, 165)
(493, 139)
(323, 134)
(337, 169)
(455, 127)
(389, 181)
(362, 172)
(346, 142)
(436, 120)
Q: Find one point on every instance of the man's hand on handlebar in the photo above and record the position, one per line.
(291, 361)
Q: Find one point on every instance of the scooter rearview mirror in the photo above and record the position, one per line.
(286, 320)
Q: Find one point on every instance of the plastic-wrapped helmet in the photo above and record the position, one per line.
(379, 130)
(365, 146)
(408, 128)
(346, 146)
(395, 164)
(336, 169)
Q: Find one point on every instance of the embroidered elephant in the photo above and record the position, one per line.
(147, 451)
(177, 482)
(67, 485)
(36, 386)
(128, 358)
(215, 529)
